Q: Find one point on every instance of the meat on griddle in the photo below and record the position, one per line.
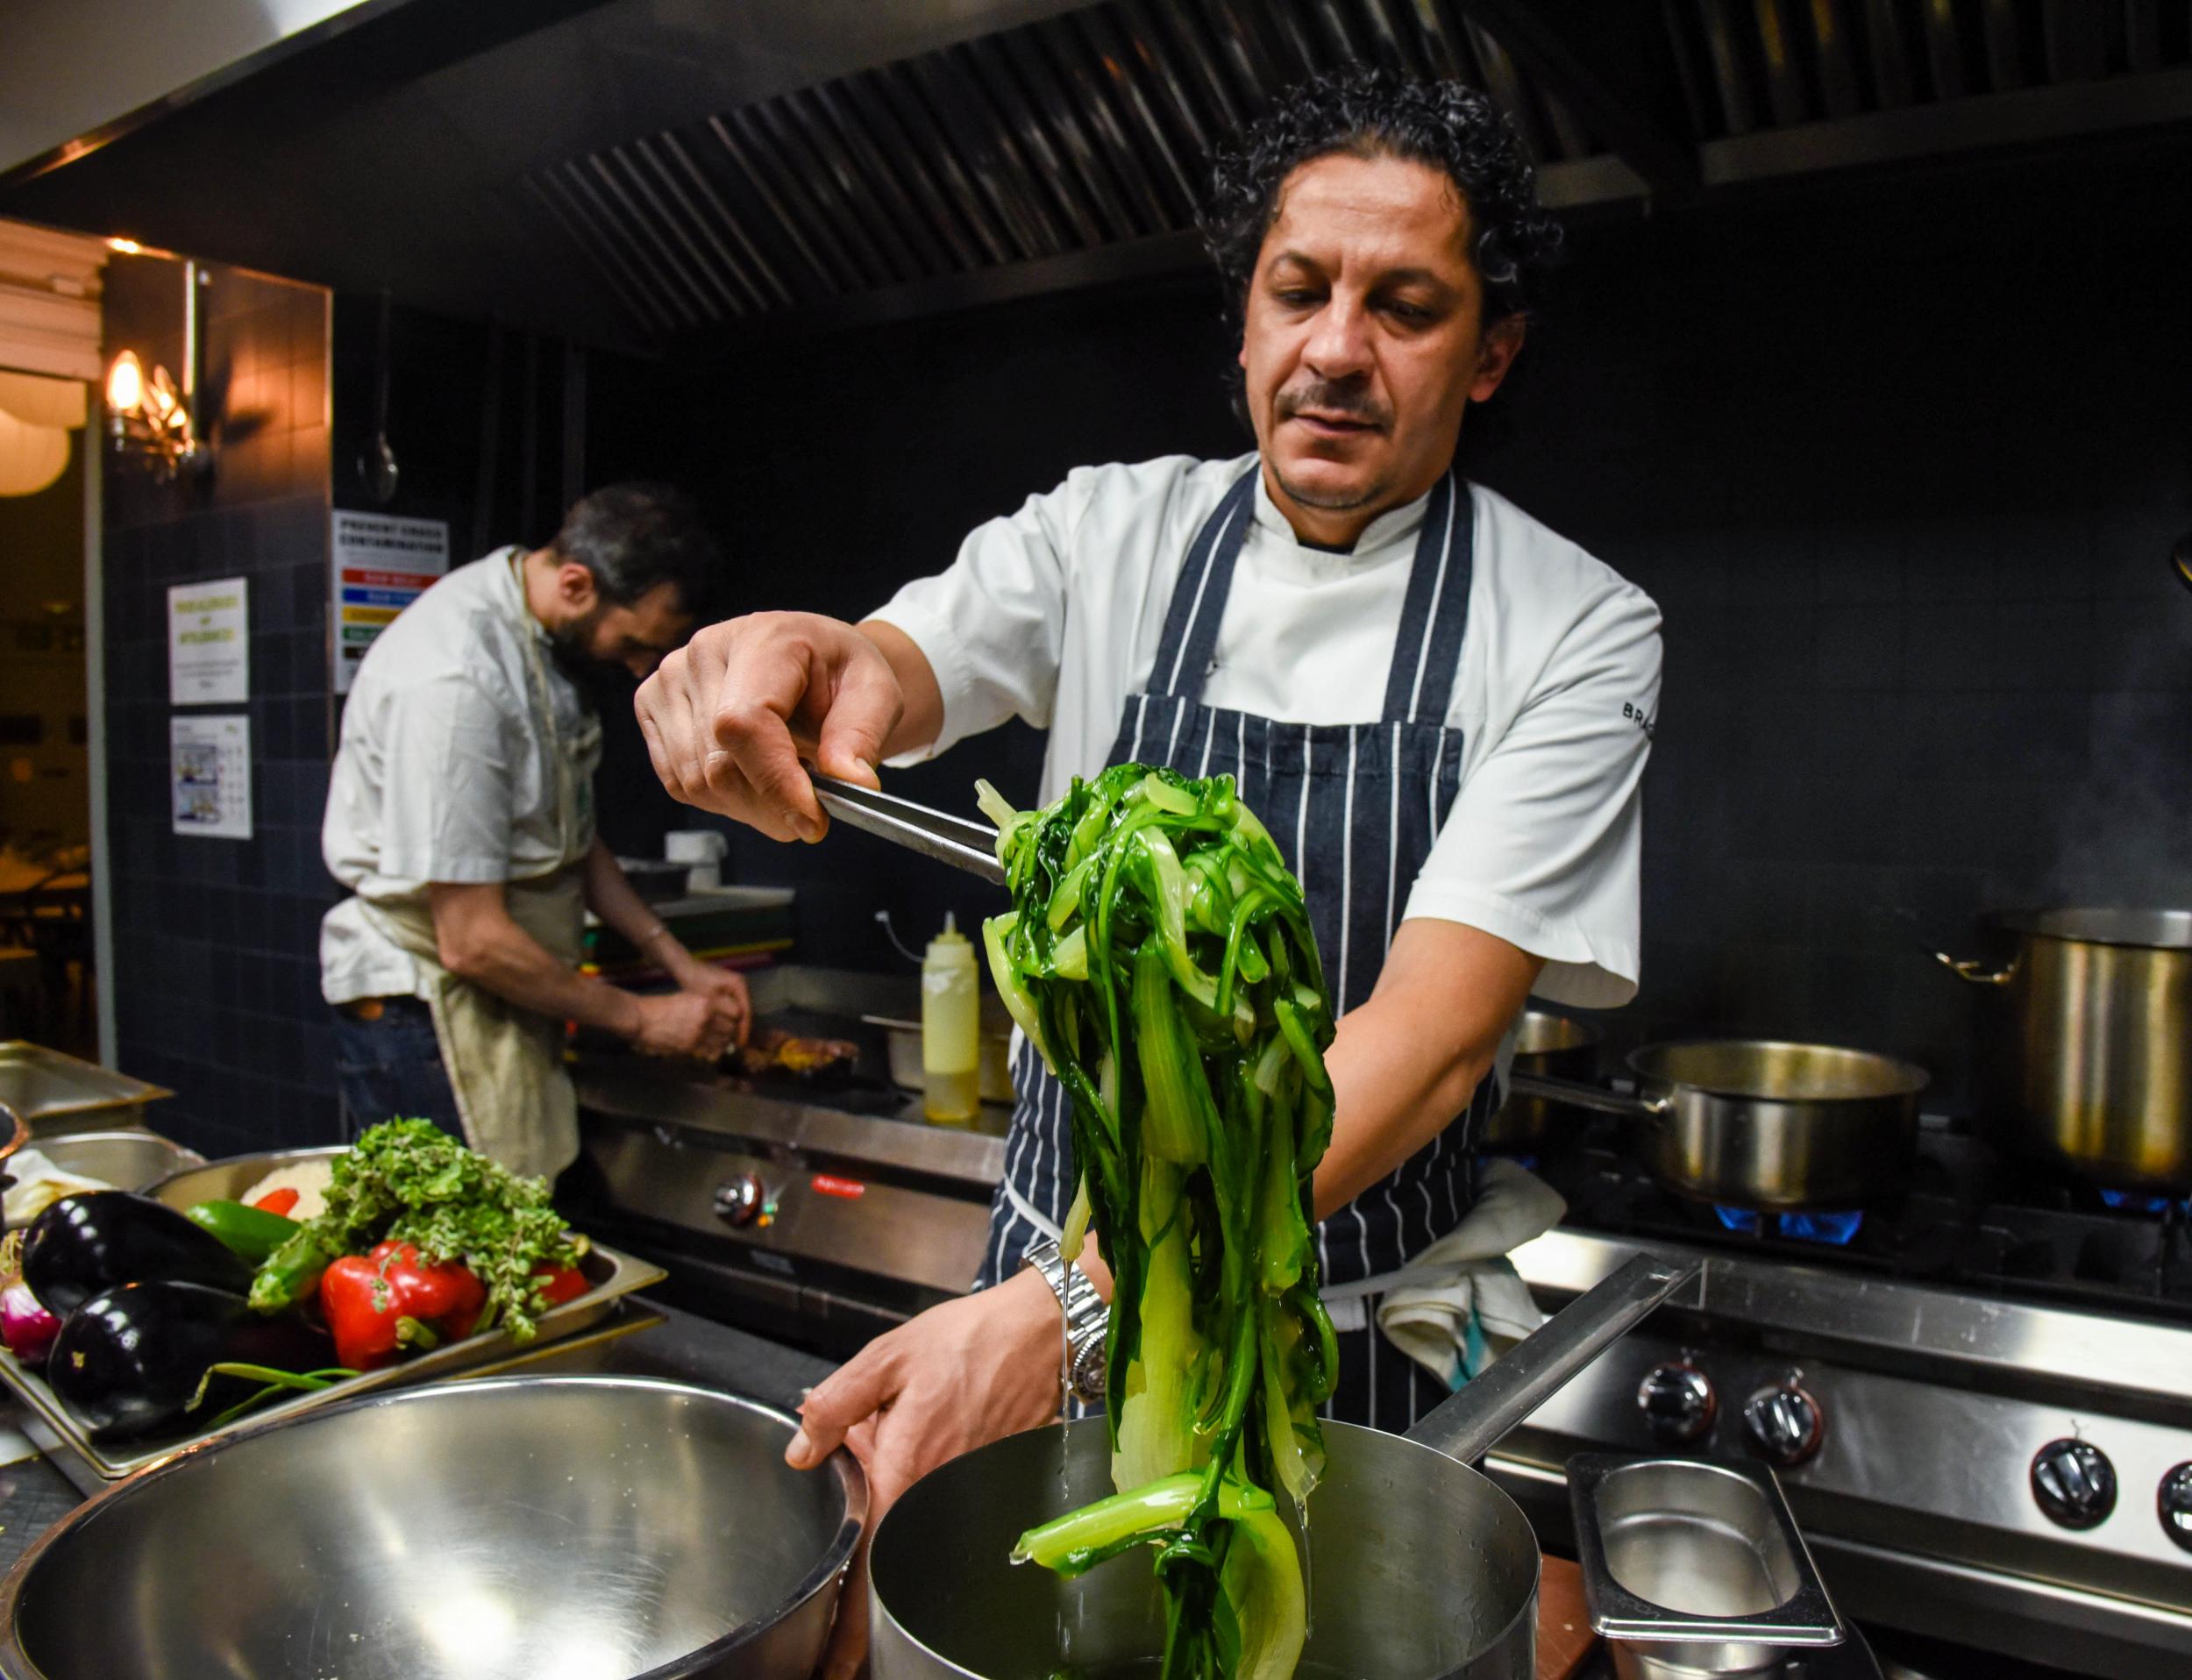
(772, 1051)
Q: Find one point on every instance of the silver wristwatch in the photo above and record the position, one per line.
(1086, 1318)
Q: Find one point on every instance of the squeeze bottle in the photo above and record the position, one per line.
(951, 1027)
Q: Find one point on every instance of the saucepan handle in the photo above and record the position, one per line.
(1964, 968)
(1535, 1368)
(1580, 1095)
(1970, 968)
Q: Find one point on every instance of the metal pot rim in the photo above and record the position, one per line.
(16, 1662)
(2156, 930)
(1526, 1608)
(1902, 1077)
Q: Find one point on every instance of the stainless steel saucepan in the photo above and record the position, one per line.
(1418, 1567)
(1763, 1124)
(1557, 1047)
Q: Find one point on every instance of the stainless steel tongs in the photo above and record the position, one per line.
(955, 840)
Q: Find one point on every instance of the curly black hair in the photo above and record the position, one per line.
(1375, 113)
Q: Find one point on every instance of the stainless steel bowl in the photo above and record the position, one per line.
(509, 1528)
(128, 1160)
(229, 1177)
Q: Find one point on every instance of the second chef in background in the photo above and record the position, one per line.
(461, 816)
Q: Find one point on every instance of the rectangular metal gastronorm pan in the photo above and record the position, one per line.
(51, 1090)
(1703, 1551)
(55, 1428)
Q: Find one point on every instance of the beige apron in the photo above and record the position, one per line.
(505, 1061)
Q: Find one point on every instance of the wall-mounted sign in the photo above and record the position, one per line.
(381, 565)
(209, 643)
(209, 768)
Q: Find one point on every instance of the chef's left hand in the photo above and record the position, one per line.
(723, 988)
(957, 1378)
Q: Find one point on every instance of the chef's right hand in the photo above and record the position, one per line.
(683, 1024)
(957, 1378)
(728, 715)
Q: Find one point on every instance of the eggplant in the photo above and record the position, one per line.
(86, 1244)
(130, 1361)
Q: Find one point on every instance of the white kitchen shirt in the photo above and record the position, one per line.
(1054, 614)
(442, 773)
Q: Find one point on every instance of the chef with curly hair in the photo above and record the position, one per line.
(1439, 707)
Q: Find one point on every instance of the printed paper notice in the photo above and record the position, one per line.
(382, 564)
(212, 770)
(209, 643)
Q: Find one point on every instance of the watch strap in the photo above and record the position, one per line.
(1087, 1318)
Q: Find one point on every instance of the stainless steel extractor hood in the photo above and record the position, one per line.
(647, 171)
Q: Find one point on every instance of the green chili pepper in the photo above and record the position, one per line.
(292, 1271)
(250, 1232)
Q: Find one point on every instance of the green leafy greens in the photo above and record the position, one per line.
(1159, 956)
(408, 1181)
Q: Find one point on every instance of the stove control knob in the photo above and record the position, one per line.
(2073, 1482)
(2175, 1504)
(1678, 1402)
(1784, 1423)
(738, 1200)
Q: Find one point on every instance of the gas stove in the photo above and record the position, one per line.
(1978, 1394)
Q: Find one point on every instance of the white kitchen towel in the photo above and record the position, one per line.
(1459, 1303)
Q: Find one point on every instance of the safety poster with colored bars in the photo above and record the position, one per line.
(382, 563)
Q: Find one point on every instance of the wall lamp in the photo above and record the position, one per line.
(149, 417)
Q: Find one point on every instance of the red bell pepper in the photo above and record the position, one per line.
(378, 1304)
(281, 1201)
(563, 1283)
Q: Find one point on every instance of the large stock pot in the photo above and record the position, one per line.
(2087, 1062)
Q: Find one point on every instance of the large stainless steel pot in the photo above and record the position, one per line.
(1419, 1568)
(1762, 1124)
(2090, 1065)
(1555, 1047)
(508, 1528)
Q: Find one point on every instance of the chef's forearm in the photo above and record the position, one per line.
(479, 942)
(922, 721)
(611, 895)
(1410, 1057)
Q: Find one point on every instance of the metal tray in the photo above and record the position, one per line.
(613, 1274)
(47, 1087)
(1694, 1551)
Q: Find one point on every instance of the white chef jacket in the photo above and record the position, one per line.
(442, 773)
(1054, 614)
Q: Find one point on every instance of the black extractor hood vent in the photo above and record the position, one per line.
(1006, 162)
(1073, 147)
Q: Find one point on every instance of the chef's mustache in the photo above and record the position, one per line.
(1347, 398)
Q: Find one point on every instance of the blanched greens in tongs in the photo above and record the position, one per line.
(1159, 956)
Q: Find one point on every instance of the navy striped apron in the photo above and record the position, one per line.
(1355, 809)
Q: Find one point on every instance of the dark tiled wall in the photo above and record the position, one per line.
(217, 979)
(1925, 655)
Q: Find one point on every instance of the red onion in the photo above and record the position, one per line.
(27, 1327)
